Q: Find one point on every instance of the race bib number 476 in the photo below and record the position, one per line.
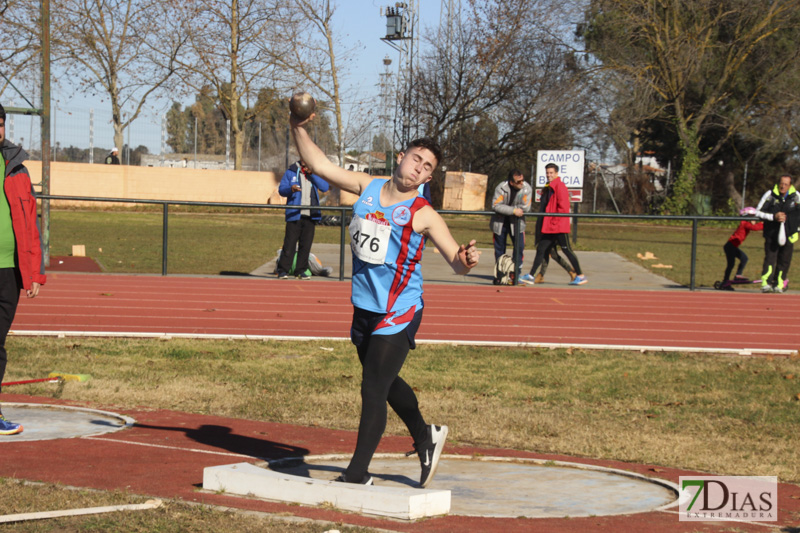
(369, 238)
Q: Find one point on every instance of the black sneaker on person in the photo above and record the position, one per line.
(367, 480)
(429, 453)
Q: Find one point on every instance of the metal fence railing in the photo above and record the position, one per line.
(344, 210)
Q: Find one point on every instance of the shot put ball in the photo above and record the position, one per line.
(302, 105)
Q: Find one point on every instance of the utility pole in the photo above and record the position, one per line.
(45, 114)
(744, 184)
(387, 99)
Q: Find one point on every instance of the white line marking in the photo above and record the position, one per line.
(225, 336)
(23, 517)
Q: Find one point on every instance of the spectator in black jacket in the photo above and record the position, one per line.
(112, 158)
(780, 210)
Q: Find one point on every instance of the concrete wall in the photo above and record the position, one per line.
(151, 183)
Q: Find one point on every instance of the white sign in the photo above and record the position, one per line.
(570, 167)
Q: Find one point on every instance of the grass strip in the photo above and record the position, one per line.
(722, 414)
(173, 516)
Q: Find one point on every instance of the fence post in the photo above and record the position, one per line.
(165, 231)
(227, 143)
(517, 248)
(163, 138)
(91, 136)
(343, 216)
(574, 223)
(694, 253)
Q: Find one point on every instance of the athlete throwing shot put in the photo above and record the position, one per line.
(390, 224)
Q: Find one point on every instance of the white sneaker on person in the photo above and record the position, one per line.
(366, 480)
(429, 453)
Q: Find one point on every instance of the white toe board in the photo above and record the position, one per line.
(246, 479)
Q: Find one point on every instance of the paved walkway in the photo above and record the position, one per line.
(605, 270)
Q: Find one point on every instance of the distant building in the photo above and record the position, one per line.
(369, 162)
(205, 161)
(646, 164)
(648, 159)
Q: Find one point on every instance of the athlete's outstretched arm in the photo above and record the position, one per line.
(319, 164)
(462, 258)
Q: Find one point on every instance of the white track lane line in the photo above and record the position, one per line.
(222, 336)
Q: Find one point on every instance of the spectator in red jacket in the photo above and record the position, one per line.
(733, 252)
(21, 264)
(555, 230)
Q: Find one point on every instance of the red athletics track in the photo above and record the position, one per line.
(575, 316)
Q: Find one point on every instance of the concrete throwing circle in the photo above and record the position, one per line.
(48, 422)
(502, 487)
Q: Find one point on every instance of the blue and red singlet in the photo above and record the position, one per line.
(387, 276)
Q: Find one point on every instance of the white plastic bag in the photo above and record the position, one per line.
(782, 234)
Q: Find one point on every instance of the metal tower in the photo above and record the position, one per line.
(449, 18)
(402, 34)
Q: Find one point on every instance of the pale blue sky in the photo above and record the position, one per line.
(360, 21)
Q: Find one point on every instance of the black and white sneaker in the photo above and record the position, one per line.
(429, 453)
(367, 480)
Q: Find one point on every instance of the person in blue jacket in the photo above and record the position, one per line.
(301, 187)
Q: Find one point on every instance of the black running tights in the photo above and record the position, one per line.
(382, 357)
(733, 252)
(10, 285)
(549, 240)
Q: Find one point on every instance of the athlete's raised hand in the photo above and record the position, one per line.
(296, 121)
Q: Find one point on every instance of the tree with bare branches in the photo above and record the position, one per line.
(228, 50)
(20, 47)
(501, 85)
(315, 55)
(125, 50)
